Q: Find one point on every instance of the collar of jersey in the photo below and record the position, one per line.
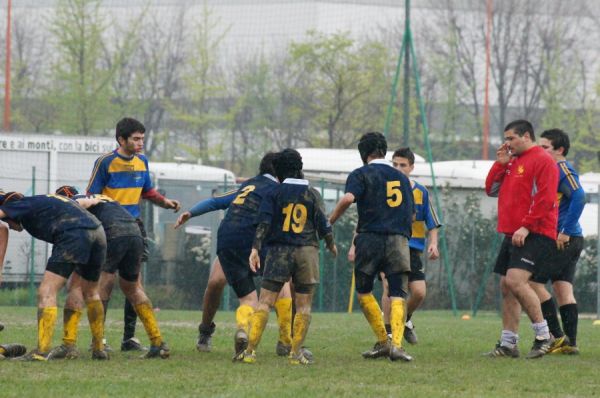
(296, 181)
(270, 177)
(381, 161)
(123, 157)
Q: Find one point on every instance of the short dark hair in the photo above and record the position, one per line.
(288, 164)
(7, 197)
(372, 143)
(520, 127)
(67, 190)
(405, 152)
(558, 138)
(266, 163)
(128, 126)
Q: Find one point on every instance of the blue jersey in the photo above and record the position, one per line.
(238, 228)
(45, 217)
(295, 212)
(571, 200)
(383, 197)
(425, 217)
(121, 178)
(117, 222)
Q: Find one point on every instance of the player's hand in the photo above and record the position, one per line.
(433, 252)
(518, 238)
(562, 241)
(254, 260)
(333, 249)
(352, 253)
(183, 218)
(503, 154)
(172, 204)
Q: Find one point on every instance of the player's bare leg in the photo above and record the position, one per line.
(511, 313)
(210, 305)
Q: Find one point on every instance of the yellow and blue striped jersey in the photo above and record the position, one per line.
(571, 200)
(122, 179)
(425, 217)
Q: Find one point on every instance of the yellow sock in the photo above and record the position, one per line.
(242, 317)
(397, 319)
(283, 309)
(372, 312)
(95, 313)
(146, 314)
(71, 319)
(258, 322)
(301, 324)
(46, 321)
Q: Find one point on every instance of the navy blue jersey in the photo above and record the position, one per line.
(571, 200)
(295, 213)
(384, 199)
(239, 225)
(46, 216)
(117, 221)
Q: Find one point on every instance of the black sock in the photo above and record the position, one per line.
(569, 315)
(388, 328)
(130, 319)
(550, 315)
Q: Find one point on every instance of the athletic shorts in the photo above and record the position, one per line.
(236, 264)
(381, 253)
(80, 250)
(417, 271)
(561, 264)
(300, 263)
(124, 254)
(532, 255)
(146, 253)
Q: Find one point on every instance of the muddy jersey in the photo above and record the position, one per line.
(295, 212)
(117, 222)
(239, 225)
(45, 217)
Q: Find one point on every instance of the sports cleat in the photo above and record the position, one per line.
(132, 344)
(398, 353)
(12, 350)
(161, 351)
(409, 333)
(540, 348)
(107, 347)
(32, 356)
(558, 344)
(299, 359)
(100, 355)
(307, 353)
(282, 350)
(246, 357)
(240, 342)
(204, 343)
(63, 352)
(503, 351)
(569, 350)
(380, 349)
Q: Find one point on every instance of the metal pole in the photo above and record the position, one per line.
(486, 102)
(228, 288)
(406, 72)
(321, 256)
(6, 119)
(32, 251)
(598, 256)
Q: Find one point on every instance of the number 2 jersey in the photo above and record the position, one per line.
(384, 199)
(295, 213)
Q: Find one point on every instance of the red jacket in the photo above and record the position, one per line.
(526, 189)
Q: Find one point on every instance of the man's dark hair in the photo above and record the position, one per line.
(266, 164)
(558, 138)
(7, 197)
(288, 164)
(405, 152)
(128, 126)
(520, 127)
(67, 190)
(372, 144)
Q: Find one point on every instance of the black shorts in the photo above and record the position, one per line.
(381, 253)
(561, 264)
(300, 263)
(124, 254)
(80, 250)
(417, 271)
(530, 257)
(236, 267)
(146, 252)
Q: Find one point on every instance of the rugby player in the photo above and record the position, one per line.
(385, 204)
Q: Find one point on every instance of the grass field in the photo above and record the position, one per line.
(447, 362)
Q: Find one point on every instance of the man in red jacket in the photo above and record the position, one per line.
(525, 179)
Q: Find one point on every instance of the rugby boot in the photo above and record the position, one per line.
(540, 348)
(161, 351)
(100, 355)
(107, 346)
(204, 343)
(132, 344)
(32, 356)
(398, 354)
(380, 350)
(246, 357)
(502, 351)
(240, 342)
(63, 352)
(12, 350)
(282, 350)
(569, 350)
(307, 353)
(299, 359)
(558, 344)
(409, 333)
